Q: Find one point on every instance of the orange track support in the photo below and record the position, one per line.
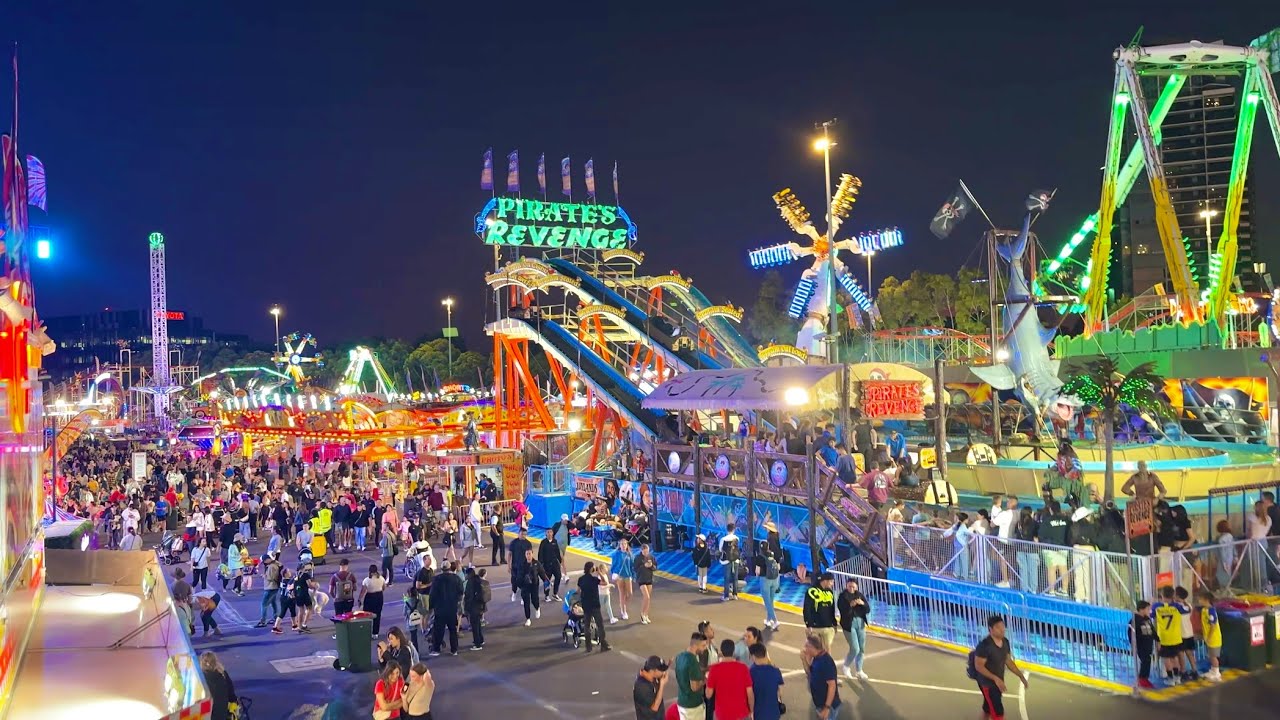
(517, 401)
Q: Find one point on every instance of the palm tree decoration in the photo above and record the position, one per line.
(1100, 383)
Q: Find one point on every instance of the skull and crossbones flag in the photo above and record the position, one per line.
(951, 213)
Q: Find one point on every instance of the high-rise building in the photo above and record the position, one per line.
(86, 342)
(1197, 144)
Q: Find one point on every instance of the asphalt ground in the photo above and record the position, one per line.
(529, 673)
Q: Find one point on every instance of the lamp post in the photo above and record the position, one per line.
(824, 145)
(870, 254)
(448, 331)
(275, 312)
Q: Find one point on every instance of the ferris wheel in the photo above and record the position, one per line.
(297, 351)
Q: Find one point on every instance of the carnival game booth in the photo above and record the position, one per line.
(465, 469)
(791, 501)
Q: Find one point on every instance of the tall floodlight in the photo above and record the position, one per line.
(159, 330)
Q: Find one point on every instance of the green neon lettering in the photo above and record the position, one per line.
(588, 215)
(535, 210)
(580, 237)
(600, 238)
(608, 214)
(571, 212)
(553, 212)
(538, 234)
(522, 210)
(557, 236)
(619, 239)
(496, 231)
(516, 236)
(505, 205)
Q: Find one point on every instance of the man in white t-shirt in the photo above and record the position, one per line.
(477, 518)
(130, 518)
(1002, 520)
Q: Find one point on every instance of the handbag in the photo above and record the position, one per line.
(381, 714)
(415, 618)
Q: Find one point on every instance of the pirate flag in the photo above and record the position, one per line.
(1038, 200)
(951, 213)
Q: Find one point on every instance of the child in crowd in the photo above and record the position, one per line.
(1143, 633)
(1211, 631)
(1188, 635)
(1167, 612)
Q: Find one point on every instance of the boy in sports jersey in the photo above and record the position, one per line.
(1211, 631)
(1188, 635)
(1168, 617)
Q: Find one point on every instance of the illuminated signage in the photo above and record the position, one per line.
(878, 240)
(535, 223)
(889, 399)
(175, 315)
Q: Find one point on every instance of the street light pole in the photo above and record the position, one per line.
(275, 312)
(869, 254)
(824, 144)
(448, 335)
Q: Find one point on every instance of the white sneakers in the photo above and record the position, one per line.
(513, 597)
(862, 676)
(624, 615)
(613, 620)
(848, 672)
(527, 623)
(644, 619)
(537, 612)
(1214, 675)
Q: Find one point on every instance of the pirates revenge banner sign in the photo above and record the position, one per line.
(519, 222)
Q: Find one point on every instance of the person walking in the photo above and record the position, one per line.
(646, 565)
(515, 553)
(529, 581)
(446, 592)
(475, 600)
(200, 564)
(270, 608)
(497, 545)
(589, 586)
(288, 602)
(622, 567)
(854, 609)
(222, 692)
(770, 572)
(415, 612)
(824, 686)
(387, 546)
(371, 597)
(702, 561)
(730, 553)
(820, 610)
(303, 587)
(549, 559)
(987, 665)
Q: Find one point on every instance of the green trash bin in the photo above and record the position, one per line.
(355, 644)
(1273, 635)
(1244, 638)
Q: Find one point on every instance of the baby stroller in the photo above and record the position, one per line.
(572, 632)
(416, 556)
(171, 548)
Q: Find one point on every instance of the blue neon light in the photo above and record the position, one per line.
(770, 256)
(852, 287)
(804, 293)
(877, 240)
(43, 249)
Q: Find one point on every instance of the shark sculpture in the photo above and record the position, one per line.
(1029, 368)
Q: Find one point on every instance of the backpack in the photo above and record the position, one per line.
(731, 551)
(771, 568)
(346, 589)
(971, 667)
(485, 591)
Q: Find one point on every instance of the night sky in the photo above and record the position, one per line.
(328, 158)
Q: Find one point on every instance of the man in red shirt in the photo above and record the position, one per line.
(729, 682)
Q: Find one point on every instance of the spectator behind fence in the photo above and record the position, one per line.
(1055, 528)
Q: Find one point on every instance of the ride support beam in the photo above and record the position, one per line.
(1095, 299)
(1220, 284)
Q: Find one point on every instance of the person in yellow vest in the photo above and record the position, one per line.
(1167, 612)
(323, 522)
(1211, 631)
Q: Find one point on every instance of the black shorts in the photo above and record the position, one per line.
(1167, 651)
(303, 601)
(644, 582)
(1189, 644)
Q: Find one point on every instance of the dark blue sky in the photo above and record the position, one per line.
(327, 158)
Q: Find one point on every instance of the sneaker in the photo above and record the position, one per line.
(454, 653)
(848, 672)
(862, 676)
(260, 624)
(278, 631)
(557, 598)
(605, 647)
(434, 653)
(527, 623)
(1145, 683)
(537, 613)
(624, 615)
(513, 597)
(375, 636)
(476, 647)
(644, 619)
(1213, 676)
(613, 620)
